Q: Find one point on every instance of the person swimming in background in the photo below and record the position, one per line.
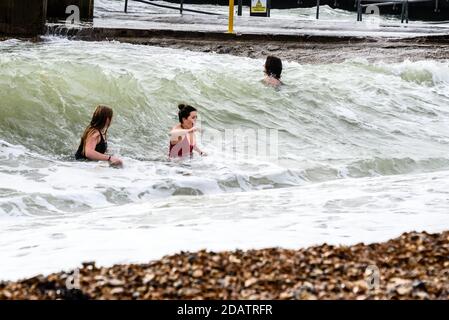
(273, 71)
(182, 136)
(94, 142)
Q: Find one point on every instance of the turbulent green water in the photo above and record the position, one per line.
(363, 153)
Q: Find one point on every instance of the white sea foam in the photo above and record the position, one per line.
(363, 154)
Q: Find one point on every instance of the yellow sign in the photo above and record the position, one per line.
(259, 6)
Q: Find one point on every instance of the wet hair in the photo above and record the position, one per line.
(184, 111)
(273, 67)
(98, 122)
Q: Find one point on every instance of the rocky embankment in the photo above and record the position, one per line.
(310, 52)
(412, 266)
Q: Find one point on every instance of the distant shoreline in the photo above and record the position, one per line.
(307, 49)
(309, 52)
(412, 266)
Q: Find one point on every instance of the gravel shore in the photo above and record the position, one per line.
(412, 266)
(311, 52)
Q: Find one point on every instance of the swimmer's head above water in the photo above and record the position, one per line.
(187, 116)
(273, 70)
(102, 118)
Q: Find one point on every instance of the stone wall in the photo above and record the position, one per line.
(22, 17)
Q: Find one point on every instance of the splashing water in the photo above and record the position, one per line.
(362, 153)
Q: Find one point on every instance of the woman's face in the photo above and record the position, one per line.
(190, 121)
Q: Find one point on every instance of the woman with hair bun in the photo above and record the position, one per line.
(182, 136)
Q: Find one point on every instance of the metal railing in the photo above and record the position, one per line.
(180, 8)
(380, 3)
(360, 4)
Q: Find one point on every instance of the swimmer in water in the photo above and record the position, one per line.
(182, 136)
(273, 71)
(94, 142)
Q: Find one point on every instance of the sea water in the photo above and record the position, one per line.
(357, 151)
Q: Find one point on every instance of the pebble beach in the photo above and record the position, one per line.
(302, 186)
(412, 266)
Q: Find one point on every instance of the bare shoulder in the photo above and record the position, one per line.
(94, 135)
(177, 127)
(273, 82)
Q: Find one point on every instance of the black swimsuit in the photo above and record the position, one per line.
(101, 147)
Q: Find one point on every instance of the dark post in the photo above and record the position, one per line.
(126, 6)
(317, 9)
(359, 10)
(24, 18)
(406, 12)
(239, 10)
(181, 6)
(403, 12)
(268, 8)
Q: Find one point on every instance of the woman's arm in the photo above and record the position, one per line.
(90, 153)
(199, 150)
(89, 149)
(176, 132)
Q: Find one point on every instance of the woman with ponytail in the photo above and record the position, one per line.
(94, 143)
